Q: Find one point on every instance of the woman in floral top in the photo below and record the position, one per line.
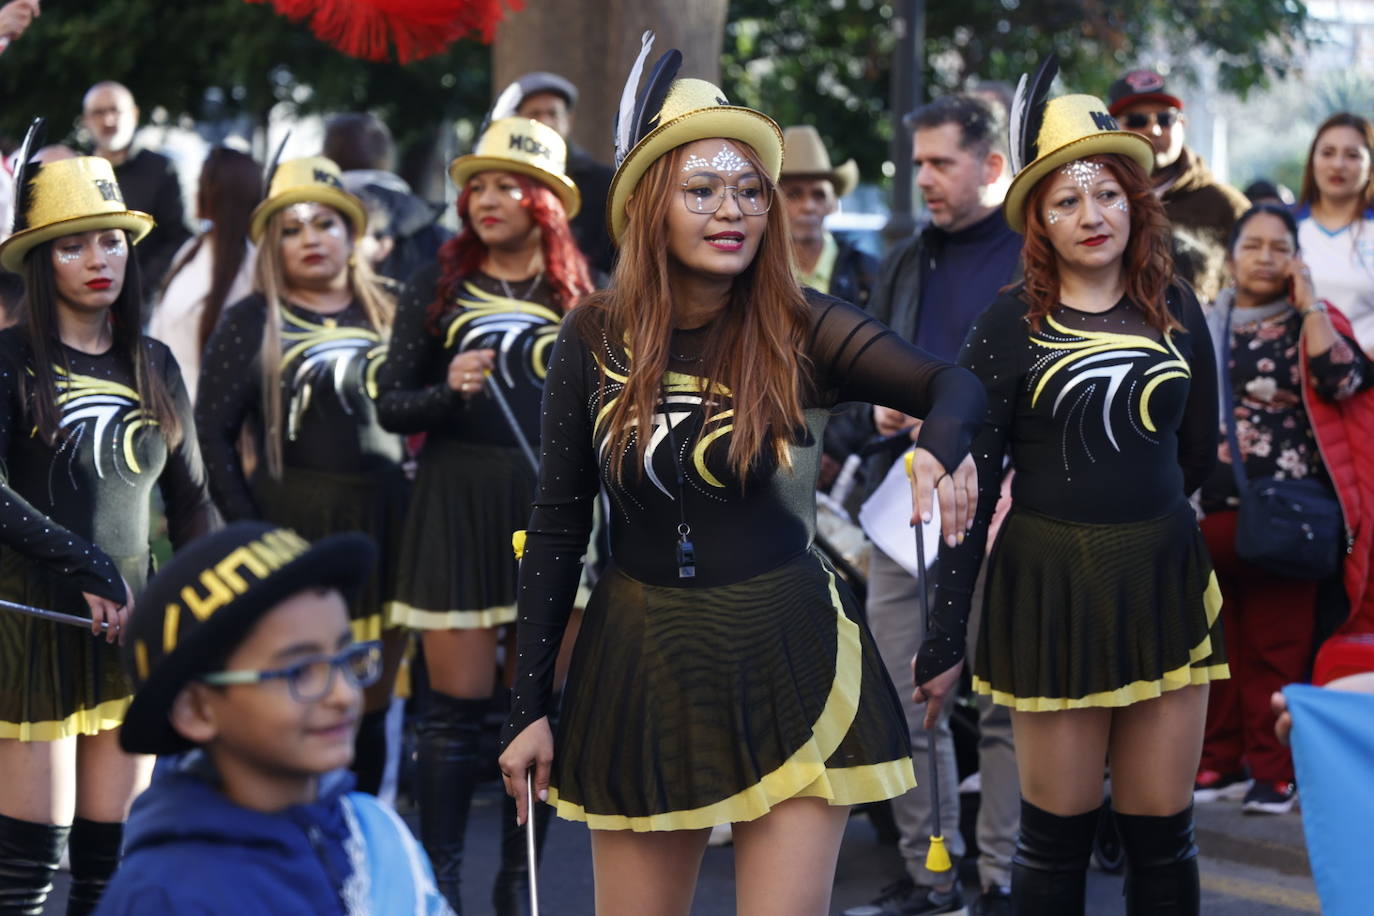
(1268, 619)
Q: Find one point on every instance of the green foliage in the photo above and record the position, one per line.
(171, 54)
(828, 62)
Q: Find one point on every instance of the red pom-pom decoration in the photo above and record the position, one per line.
(368, 29)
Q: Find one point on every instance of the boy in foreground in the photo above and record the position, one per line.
(241, 652)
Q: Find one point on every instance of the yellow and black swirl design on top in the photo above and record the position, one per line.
(109, 413)
(1079, 362)
(520, 332)
(683, 402)
(325, 354)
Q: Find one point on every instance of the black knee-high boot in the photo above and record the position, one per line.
(369, 751)
(94, 848)
(1049, 871)
(511, 892)
(1161, 864)
(29, 856)
(448, 736)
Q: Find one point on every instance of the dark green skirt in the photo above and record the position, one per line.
(691, 707)
(457, 568)
(316, 504)
(1078, 614)
(57, 680)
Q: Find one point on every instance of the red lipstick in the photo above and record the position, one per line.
(99, 283)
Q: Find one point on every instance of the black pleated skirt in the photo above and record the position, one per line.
(57, 680)
(689, 707)
(1080, 615)
(318, 503)
(457, 568)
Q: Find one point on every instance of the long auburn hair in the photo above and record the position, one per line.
(230, 187)
(269, 278)
(1147, 264)
(755, 347)
(44, 341)
(564, 265)
(1362, 126)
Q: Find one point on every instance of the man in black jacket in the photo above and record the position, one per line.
(550, 99)
(930, 289)
(147, 179)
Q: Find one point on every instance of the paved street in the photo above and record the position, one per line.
(1252, 866)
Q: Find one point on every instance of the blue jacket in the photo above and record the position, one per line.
(190, 850)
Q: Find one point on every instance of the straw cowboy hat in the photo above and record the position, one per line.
(805, 156)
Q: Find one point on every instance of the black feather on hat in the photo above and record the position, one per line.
(1028, 112)
(25, 172)
(639, 110)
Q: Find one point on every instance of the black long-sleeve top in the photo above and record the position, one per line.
(329, 367)
(738, 532)
(1106, 419)
(72, 506)
(521, 327)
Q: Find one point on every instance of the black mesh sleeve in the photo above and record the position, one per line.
(560, 526)
(229, 391)
(1198, 432)
(413, 393)
(857, 358)
(184, 484)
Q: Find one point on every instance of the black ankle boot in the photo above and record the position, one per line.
(447, 736)
(29, 856)
(1049, 870)
(95, 849)
(369, 752)
(511, 893)
(1161, 864)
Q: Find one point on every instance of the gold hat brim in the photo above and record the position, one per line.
(314, 193)
(135, 222)
(1121, 142)
(729, 122)
(464, 167)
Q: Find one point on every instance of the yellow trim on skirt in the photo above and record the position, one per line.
(804, 774)
(1185, 675)
(400, 614)
(105, 716)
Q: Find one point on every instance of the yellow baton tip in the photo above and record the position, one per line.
(910, 459)
(517, 541)
(937, 857)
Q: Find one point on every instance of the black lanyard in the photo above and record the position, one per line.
(686, 551)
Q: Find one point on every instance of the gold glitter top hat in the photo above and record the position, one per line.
(311, 179)
(68, 197)
(805, 156)
(524, 146)
(670, 112)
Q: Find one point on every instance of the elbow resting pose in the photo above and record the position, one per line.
(721, 674)
(1100, 626)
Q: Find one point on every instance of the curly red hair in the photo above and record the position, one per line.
(564, 266)
(1147, 264)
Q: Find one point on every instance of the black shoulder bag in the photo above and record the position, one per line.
(1290, 527)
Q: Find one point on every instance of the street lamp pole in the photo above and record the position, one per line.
(907, 92)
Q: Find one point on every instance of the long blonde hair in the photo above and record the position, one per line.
(755, 348)
(269, 279)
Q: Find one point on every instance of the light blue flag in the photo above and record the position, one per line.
(1333, 751)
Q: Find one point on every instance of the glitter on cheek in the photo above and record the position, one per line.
(1052, 215)
(1120, 204)
(115, 248)
(337, 229)
(68, 257)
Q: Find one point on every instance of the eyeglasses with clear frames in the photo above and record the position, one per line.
(312, 679)
(706, 193)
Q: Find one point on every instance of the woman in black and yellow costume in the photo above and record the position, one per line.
(296, 364)
(93, 416)
(486, 315)
(1100, 621)
(721, 673)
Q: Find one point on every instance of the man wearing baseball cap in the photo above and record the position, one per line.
(550, 99)
(1193, 198)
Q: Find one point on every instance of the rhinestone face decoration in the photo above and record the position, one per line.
(308, 212)
(725, 162)
(1082, 173)
(1121, 204)
(114, 246)
(1052, 215)
(65, 256)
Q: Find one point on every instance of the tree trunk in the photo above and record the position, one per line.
(594, 44)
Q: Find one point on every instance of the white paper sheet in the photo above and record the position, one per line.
(886, 518)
